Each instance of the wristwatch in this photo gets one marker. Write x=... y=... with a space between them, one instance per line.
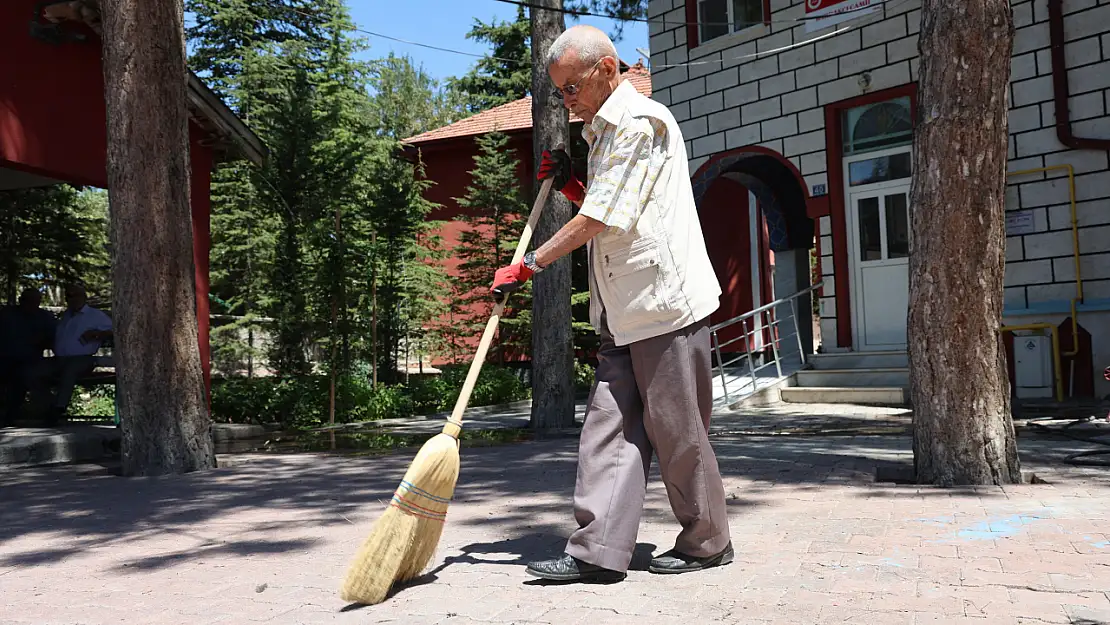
x=529 y=261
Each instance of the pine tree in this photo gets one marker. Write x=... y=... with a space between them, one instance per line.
x=495 y=215
x=288 y=70
x=552 y=341
x=225 y=34
x=52 y=235
x=621 y=11
x=503 y=75
x=963 y=431
x=411 y=287
x=161 y=396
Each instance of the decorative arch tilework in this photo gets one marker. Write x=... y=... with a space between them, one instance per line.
x=772 y=212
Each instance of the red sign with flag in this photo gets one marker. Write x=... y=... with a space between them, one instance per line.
x=824 y=13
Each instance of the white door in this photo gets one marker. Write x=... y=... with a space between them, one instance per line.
x=879 y=240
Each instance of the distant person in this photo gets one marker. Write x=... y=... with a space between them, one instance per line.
x=26 y=331
x=80 y=333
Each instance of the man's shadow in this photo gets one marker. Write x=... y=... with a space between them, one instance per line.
x=516 y=552
x=529 y=548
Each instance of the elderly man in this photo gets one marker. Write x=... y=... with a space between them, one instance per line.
x=652 y=289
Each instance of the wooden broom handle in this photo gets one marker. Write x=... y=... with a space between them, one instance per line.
x=454 y=424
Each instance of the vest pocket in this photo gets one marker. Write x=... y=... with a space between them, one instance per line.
x=634 y=277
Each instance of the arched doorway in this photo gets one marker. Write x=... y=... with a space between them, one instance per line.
x=752 y=205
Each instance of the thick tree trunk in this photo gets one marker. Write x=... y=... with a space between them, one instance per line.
x=552 y=337
x=163 y=410
x=963 y=431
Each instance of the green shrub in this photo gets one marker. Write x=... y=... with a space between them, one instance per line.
x=302 y=403
x=95 y=401
x=583 y=376
x=387 y=402
x=495 y=385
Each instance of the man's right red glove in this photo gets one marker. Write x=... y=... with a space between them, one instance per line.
x=556 y=164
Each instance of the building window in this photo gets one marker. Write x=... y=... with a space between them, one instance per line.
x=717 y=18
x=880 y=169
x=877 y=126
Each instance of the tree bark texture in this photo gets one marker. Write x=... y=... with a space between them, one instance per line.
x=161 y=394
x=552 y=336
x=963 y=431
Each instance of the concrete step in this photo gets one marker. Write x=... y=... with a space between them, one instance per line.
x=865 y=396
x=852 y=378
x=859 y=360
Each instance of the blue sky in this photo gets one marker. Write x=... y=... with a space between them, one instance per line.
x=444 y=23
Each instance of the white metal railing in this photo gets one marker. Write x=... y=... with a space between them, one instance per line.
x=754 y=323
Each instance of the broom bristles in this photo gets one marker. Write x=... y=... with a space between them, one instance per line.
x=405 y=537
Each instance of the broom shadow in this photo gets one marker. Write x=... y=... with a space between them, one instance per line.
x=522 y=549
x=426 y=578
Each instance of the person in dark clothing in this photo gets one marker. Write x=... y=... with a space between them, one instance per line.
x=26 y=330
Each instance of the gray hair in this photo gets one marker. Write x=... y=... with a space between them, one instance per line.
x=590 y=44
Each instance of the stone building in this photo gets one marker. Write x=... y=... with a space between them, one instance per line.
x=799 y=119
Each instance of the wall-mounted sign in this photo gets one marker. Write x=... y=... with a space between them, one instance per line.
x=1019 y=223
x=818 y=189
x=831 y=12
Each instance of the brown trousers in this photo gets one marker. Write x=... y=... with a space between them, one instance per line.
x=650 y=396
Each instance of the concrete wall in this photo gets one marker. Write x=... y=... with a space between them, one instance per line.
x=725 y=99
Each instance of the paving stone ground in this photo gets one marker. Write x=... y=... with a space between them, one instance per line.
x=267 y=539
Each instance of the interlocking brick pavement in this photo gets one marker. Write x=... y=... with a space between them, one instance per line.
x=267 y=539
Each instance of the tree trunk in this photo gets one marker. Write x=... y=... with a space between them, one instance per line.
x=162 y=404
x=963 y=431
x=552 y=338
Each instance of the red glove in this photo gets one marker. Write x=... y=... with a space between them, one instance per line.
x=509 y=279
x=557 y=165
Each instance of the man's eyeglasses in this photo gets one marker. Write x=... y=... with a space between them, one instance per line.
x=559 y=92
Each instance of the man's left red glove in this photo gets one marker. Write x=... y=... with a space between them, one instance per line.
x=509 y=279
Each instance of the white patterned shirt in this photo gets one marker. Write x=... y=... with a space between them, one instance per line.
x=625 y=159
x=650 y=272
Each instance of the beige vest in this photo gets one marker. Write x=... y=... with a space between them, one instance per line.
x=657 y=277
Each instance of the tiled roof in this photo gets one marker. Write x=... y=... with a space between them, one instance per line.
x=516 y=115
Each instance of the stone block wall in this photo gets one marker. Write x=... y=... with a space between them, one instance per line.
x=726 y=95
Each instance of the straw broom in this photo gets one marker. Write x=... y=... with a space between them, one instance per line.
x=404 y=538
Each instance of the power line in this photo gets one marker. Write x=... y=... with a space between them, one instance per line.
x=417 y=43
x=665 y=22
x=893 y=4
x=424 y=45
x=756 y=55
x=664 y=65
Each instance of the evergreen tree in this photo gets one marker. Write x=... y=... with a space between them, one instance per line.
x=494 y=219
x=94 y=263
x=288 y=70
x=620 y=10
x=225 y=34
x=52 y=235
x=410 y=286
x=503 y=75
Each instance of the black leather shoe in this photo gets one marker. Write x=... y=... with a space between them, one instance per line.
x=571 y=569
x=677 y=562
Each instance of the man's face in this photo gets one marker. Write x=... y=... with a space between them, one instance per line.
x=75 y=298
x=30 y=300
x=590 y=82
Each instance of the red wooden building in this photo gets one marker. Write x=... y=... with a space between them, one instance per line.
x=53 y=126
x=735 y=232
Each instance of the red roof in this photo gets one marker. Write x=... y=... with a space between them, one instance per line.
x=516 y=115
